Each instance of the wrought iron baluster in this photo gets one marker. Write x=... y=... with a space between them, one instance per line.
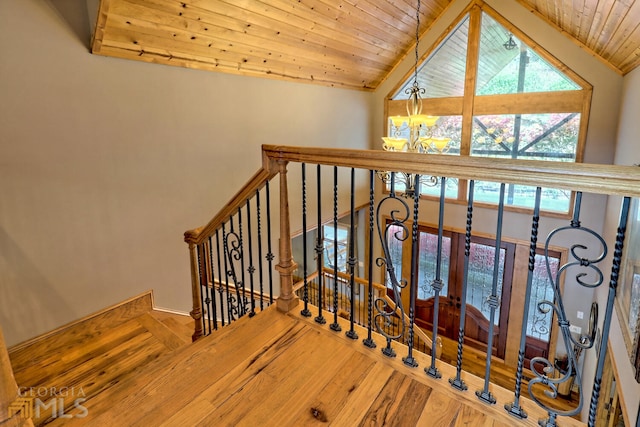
x=305 y=311
x=458 y=382
x=260 y=265
x=485 y=395
x=211 y=291
x=613 y=286
x=335 y=326
x=230 y=299
x=351 y=333
x=583 y=263
x=385 y=314
x=320 y=249
x=233 y=249
x=242 y=302
x=220 y=288
x=514 y=408
x=252 y=269
x=413 y=286
x=270 y=257
x=437 y=284
x=369 y=340
x=203 y=285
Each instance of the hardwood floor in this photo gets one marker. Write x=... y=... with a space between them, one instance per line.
x=83 y=359
x=272 y=369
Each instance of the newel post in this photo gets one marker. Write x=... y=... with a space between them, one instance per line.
x=196 y=312
x=287 y=299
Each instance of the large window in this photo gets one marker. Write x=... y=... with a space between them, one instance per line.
x=497 y=96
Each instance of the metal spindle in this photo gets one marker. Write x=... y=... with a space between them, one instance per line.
x=305 y=311
x=484 y=394
x=243 y=301
x=252 y=268
x=260 y=266
x=233 y=252
x=432 y=370
x=226 y=276
x=514 y=408
x=351 y=333
x=270 y=257
x=613 y=286
x=203 y=285
x=211 y=291
x=369 y=340
x=458 y=382
x=415 y=250
x=335 y=326
x=319 y=249
x=220 y=288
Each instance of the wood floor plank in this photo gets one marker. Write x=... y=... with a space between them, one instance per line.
x=321 y=406
x=440 y=410
x=161 y=331
x=260 y=396
x=357 y=404
x=161 y=389
x=78 y=331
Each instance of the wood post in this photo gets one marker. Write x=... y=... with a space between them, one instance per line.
x=196 y=312
x=287 y=299
x=9 y=417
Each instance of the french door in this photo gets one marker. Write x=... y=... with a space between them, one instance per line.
x=482 y=257
x=479 y=286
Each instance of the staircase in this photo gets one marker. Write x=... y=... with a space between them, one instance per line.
x=62 y=372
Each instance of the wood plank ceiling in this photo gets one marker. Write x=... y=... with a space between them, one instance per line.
x=343 y=43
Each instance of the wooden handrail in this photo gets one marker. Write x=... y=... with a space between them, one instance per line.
x=359 y=280
x=594 y=178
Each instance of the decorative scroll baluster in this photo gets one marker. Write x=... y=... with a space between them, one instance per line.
x=432 y=370
x=369 y=340
x=458 y=382
x=220 y=288
x=351 y=333
x=613 y=286
x=514 y=408
x=233 y=250
x=260 y=265
x=413 y=286
x=230 y=299
x=211 y=291
x=320 y=250
x=583 y=265
x=252 y=269
x=270 y=257
x=385 y=314
x=305 y=311
x=485 y=395
x=335 y=326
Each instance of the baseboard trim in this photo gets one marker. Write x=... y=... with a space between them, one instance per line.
x=129 y=308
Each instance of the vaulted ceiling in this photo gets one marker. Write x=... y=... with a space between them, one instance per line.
x=344 y=43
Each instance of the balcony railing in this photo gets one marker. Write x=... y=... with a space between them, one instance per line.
x=232 y=259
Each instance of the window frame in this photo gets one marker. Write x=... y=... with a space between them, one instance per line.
x=471 y=105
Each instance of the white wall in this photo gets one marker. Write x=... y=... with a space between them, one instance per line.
x=627 y=153
x=104 y=163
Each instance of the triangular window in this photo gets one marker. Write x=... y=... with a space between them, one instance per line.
x=495 y=93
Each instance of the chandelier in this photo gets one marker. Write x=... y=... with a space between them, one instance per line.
x=413 y=133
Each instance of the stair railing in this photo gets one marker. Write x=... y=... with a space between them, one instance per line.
x=400 y=221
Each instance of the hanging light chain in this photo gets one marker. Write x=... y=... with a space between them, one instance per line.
x=415 y=68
